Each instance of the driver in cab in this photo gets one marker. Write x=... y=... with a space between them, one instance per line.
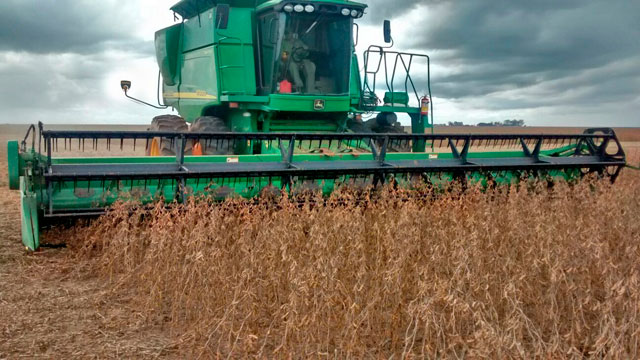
x=294 y=57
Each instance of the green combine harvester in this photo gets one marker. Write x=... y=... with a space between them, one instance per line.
x=271 y=96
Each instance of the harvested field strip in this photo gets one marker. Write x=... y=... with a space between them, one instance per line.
x=519 y=273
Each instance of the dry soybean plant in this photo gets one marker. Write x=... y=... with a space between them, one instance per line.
x=509 y=273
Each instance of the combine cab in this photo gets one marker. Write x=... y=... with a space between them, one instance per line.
x=270 y=96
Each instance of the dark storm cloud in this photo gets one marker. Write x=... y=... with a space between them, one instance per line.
x=388 y=9
x=564 y=37
x=494 y=54
x=382 y=9
x=524 y=54
x=50 y=81
x=520 y=43
x=62 y=26
x=56 y=57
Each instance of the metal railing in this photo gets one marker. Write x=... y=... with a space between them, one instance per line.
x=401 y=61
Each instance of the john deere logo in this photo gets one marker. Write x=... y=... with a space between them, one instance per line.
x=318 y=104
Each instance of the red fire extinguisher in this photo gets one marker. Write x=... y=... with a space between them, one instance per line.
x=424 y=105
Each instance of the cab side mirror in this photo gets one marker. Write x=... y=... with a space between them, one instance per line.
x=387 y=31
x=125 y=85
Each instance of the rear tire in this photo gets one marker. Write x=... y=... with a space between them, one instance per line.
x=384 y=123
x=169 y=123
x=359 y=127
x=209 y=124
x=212 y=124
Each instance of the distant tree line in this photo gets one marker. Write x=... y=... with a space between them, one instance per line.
x=514 y=123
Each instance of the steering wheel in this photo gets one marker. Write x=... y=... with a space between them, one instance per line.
x=298 y=54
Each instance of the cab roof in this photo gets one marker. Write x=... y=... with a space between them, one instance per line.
x=190 y=8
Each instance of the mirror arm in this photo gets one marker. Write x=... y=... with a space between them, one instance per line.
x=126 y=85
x=145 y=103
x=164 y=106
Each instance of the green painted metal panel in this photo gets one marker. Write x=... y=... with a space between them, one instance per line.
x=13 y=160
x=396 y=97
x=191 y=109
x=199 y=31
x=29 y=216
x=355 y=81
x=242 y=121
x=303 y=125
x=398 y=109
x=245 y=99
x=198 y=88
x=199 y=75
x=81 y=195
x=167 y=43
x=272 y=158
x=78 y=196
x=191 y=8
x=418 y=127
x=235 y=54
x=281 y=102
x=212 y=62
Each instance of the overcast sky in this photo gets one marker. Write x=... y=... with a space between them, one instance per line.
x=549 y=62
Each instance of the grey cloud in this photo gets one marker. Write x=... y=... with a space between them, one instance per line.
x=50 y=81
x=616 y=84
x=497 y=55
x=63 y=26
x=505 y=54
x=519 y=42
x=584 y=33
x=57 y=55
x=382 y=9
x=64 y=88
